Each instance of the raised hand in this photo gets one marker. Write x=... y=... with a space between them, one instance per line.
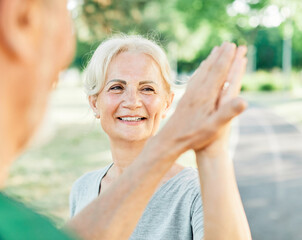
x=229 y=96
x=205 y=108
x=222 y=205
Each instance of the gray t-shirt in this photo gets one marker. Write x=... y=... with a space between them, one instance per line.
x=173 y=213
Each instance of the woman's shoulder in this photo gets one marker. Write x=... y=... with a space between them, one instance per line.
x=180 y=193
x=186 y=181
x=90 y=177
x=188 y=175
x=85 y=189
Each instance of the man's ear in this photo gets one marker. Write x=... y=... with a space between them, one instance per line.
x=93 y=104
x=20 y=28
x=169 y=101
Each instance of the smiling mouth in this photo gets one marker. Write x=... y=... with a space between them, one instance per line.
x=132 y=119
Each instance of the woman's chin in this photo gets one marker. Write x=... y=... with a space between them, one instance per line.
x=132 y=137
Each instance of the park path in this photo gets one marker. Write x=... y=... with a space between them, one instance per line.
x=268 y=164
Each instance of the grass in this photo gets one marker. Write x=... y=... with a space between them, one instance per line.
x=271 y=81
x=281 y=94
x=43 y=176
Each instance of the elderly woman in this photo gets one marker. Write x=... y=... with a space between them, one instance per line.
x=128 y=86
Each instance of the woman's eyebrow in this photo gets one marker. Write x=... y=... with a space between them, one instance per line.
x=125 y=83
x=147 y=82
x=117 y=80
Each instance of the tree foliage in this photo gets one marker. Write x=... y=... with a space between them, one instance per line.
x=195 y=26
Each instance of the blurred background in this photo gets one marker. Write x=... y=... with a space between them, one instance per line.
x=266 y=141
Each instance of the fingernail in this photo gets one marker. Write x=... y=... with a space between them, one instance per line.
x=242 y=49
x=229 y=46
x=233 y=46
x=215 y=49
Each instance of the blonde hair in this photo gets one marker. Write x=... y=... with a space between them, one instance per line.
x=96 y=69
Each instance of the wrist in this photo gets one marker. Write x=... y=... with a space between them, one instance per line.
x=210 y=159
x=170 y=141
x=213 y=151
x=166 y=146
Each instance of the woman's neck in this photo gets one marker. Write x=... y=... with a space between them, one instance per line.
x=123 y=154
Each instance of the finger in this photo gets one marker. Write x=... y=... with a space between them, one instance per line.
x=220 y=67
x=237 y=69
x=226 y=112
x=212 y=56
x=233 y=84
x=236 y=78
x=202 y=71
x=214 y=51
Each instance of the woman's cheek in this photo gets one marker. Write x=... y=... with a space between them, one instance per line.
x=109 y=103
x=155 y=106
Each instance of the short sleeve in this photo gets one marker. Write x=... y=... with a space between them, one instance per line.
x=18 y=221
x=197 y=218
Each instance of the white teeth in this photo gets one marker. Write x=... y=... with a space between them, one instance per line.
x=131 y=119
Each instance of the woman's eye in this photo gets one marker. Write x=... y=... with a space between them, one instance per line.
x=116 y=88
x=148 y=89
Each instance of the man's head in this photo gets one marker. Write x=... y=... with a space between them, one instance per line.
x=36 y=42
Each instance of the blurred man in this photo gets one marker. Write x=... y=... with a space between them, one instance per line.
x=36 y=42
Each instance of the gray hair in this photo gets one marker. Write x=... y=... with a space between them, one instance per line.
x=96 y=70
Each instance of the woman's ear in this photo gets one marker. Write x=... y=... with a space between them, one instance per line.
x=169 y=101
x=93 y=104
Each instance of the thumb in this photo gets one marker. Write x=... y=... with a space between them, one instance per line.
x=229 y=110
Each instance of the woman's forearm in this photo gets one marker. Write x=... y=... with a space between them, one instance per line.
x=224 y=216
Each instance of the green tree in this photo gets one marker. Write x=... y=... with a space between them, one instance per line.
x=188 y=30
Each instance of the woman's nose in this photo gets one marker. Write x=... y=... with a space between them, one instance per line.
x=131 y=99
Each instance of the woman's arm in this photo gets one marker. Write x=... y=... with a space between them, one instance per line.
x=194 y=124
x=224 y=216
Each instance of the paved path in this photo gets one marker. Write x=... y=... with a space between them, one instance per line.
x=268 y=163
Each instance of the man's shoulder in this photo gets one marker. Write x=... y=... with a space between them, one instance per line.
x=18 y=221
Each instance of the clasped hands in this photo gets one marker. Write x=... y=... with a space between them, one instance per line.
x=211 y=99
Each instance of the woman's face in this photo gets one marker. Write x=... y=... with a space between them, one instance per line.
x=134 y=98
